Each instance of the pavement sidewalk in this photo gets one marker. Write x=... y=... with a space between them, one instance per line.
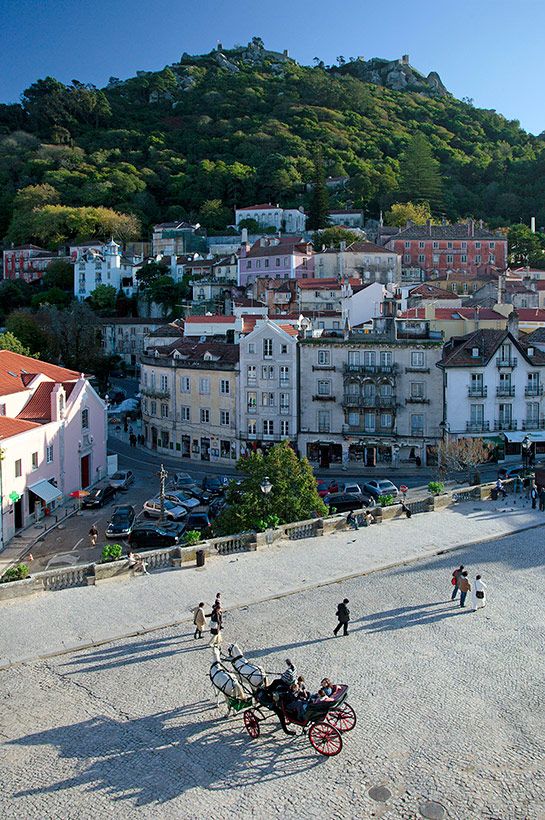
x=56 y=622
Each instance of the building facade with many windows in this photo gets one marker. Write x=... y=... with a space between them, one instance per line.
x=268 y=397
x=370 y=398
x=493 y=388
x=189 y=400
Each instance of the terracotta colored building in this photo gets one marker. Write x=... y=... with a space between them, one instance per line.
x=437 y=249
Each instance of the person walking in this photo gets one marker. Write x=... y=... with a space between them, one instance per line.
x=199 y=619
x=479 y=593
x=464 y=586
x=455 y=580
x=216 y=625
x=542 y=499
x=534 y=494
x=343 y=616
x=93 y=535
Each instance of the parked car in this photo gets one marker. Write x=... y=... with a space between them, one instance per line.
x=183 y=480
x=122 y=479
x=217 y=505
x=215 y=485
x=99 y=496
x=352 y=488
x=322 y=487
x=179 y=497
x=173 y=512
x=512 y=472
x=122 y=522
x=343 y=502
x=380 y=486
x=198 y=521
x=149 y=536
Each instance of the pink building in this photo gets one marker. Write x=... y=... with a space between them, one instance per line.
x=28 y=262
x=52 y=438
x=275 y=257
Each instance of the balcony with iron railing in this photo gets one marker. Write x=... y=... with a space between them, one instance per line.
x=320 y=397
x=417 y=400
x=533 y=424
x=155 y=393
x=533 y=390
x=505 y=391
x=370 y=369
x=506 y=361
x=477 y=392
x=505 y=424
x=368 y=401
x=477 y=426
x=361 y=430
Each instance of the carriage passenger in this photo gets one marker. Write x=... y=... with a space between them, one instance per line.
x=287 y=678
x=294 y=705
x=328 y=687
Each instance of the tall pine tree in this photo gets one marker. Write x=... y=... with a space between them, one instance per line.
x=419 y=173
x=318 y=212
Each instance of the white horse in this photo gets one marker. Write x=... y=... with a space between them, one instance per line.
x=224 y=682
x=247 y=672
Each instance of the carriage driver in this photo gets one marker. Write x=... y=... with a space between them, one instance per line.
x=287 y=678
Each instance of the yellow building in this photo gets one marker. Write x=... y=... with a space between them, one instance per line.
x=451 y=321
x=188 y=393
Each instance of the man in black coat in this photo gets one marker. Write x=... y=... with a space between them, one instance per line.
x=343 y=616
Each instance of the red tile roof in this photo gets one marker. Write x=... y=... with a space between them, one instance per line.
x=531 y=314
x=317 y=284
x=215 y=319
x=452 y=313
x=16 y=372
x=263 y=207
x=38 y=407
x=12 y=427
x=427 y=291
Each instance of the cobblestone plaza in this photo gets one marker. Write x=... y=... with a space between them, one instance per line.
x=449 y=705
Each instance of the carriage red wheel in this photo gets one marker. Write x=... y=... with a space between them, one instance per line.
x=343 y=718
x=326 y=739
x=252 y=724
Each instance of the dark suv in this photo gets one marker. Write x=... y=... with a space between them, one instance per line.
x=98 y=497
x=148 y=536
x=198 y=521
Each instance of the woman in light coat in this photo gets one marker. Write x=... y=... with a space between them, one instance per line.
x=478 y=593
x=199 y=619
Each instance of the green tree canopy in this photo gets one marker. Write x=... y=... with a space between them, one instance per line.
x=59 y=274
x=53 y=296
x=318 y=212
x=525 y=247
x=24 y=326
x=293 y=497
x=103 y=300
x=150 y=271
x=419 y=173
x=333 y=236
x=402 y=212
x=10 y=342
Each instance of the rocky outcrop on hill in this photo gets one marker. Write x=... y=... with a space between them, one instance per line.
x=397 y=75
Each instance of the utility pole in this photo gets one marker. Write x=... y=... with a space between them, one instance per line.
x=162 y=481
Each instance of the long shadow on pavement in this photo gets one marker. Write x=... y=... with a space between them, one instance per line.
x=156 y=758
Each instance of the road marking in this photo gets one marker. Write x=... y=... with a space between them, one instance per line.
x=77 y=544
x=63 y=558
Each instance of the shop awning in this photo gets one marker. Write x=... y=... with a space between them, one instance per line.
x=46 y=491
x=518 y=437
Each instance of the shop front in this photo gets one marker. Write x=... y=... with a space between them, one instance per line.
x=324 y=453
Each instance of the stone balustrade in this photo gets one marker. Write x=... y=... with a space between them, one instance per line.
x=175 y=557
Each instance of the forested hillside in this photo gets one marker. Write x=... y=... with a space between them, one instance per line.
x=239 y=127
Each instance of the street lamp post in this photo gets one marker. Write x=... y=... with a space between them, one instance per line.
x=526 y=445
x=162 y=482
x=266 y=486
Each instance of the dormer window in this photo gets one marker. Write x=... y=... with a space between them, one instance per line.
x=474 y=352
x=530 y=351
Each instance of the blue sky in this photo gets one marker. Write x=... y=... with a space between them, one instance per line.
x=490 y=50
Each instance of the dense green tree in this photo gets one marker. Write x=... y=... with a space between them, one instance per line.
x=293 y=497
x=150 y=271
x=25 y=327
x=419 y=173
x=10 y=342
x=14 y=293
x=333 y=236
x=251 y=225
x=318 y=212
x=53 y=296
x=73 y=335
x=166 y=292
x=59 y=274
x=214 y=216
x=525 y=247
x=402 y=212
x=103 y=300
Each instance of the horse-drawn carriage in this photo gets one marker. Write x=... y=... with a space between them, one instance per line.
x=246 y=690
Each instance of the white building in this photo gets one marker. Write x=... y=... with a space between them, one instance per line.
x=493 y=387
x=347 y=217
x=52 y=439
x=268 y=396
x=288 y=220
x=371 y=262
x=106 y=266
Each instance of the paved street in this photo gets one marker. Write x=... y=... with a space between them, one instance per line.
x=450 y=708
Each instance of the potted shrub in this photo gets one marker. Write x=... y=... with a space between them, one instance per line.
x=192 y=537
x=436 y=487
x=111 y=552
x=385 y=500
x=15 y=574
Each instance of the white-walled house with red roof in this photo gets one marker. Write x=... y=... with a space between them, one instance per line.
x=289 y=220
x=52 y=438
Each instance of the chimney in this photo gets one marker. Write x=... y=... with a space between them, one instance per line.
x=428 y=225
x=244 y=236
x=513 y=323
x=501 y=288
x=480 y=224
x=533 y=224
